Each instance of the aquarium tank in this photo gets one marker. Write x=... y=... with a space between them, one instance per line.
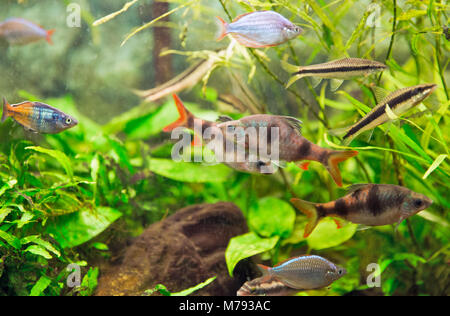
x=224 y=148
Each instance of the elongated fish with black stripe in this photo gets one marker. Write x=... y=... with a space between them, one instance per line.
x=265 y=286
x=399 y=102
x=367 y=204
x=305 y=272
x=38 y=117
x=342 y=69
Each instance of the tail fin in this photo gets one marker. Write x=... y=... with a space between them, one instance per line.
x=49 y=36
x=310 y=210
x=334 y=158
x=291 y=69
x=185 y=116
x=5 y=110
x=223 y=29
x=264 y=269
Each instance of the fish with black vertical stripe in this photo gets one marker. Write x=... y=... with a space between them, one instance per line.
x=367 y=204
x=399 y=102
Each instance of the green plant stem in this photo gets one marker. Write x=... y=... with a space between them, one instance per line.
x=391 y=43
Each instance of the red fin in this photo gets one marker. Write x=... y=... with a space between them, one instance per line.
x=184 y=115
x=223 y=29
x=334 y=159
x=338 y=223
x=264 y=269
x=304 y=165
x=310 y=210
x=49 y=36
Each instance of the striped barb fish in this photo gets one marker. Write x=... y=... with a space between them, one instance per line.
x=367 y=204
x=265 y=286
x=38 y=117
x=260 y=29
x=305 y=272
x=399 y=102
x=339 y=70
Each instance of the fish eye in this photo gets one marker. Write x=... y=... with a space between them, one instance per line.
x=68 y=121
x=260 y=163
x=418 y=203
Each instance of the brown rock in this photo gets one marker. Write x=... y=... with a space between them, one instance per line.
x=181 y=251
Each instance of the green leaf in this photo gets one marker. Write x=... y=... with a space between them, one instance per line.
x=90 y=282
x=272 y=217
x=327 y=235
x=38 y=241
x=195 y=288
x=7 y=186
x=189 y=172
x=77 y=228
x=58 y=155
x=434 y=165
x=245 y=246
x=10 y=239
x=40 y=286
x=39 y=251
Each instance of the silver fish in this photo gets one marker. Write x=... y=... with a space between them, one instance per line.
x=260 y=29
x=399 y=102
x=342 y=69
x=17 y=31
x=305 y=272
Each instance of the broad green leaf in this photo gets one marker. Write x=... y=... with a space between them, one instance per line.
x=39 y=251
x=58 y=155
x=195 y=288
x=4 y=211
x=77 y=228
x=245 y=246
x=38 y=241
x=189 y=172
x=10 y=239
x=272 y=217
x=40 y=286
x=327 y=235
x=7 y=186
x=90 y=282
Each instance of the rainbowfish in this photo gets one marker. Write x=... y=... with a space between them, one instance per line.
x=260 y=29
x=292 y=145
x=305 y=272
x=38 y=117
x=19 y=31
x=265 y=286
x=339 y=70
x=399 y=102
x=367 y=204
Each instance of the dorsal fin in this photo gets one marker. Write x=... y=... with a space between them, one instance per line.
x=296 y=124
x=224 y=118
x=244 y=14
x=354 y=187
x=292 y=258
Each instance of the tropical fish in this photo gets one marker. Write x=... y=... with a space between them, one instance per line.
x=399 y=102
x=338 y=70
x=38 y=117
x=292 y=145
x=260 y=29
x=17 y=31
x=265 y=286
x=367 y=204
x=305 y=272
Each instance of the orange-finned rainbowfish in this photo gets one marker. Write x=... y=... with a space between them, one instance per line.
x=18 y=31
x=367 y=204
x=260 y=29
x=38 y=117
x=305 y=272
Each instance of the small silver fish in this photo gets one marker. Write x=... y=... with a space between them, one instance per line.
x=305 y=272
x=399 y=102
x=342 y=69
x=260 y=29
x=17 y=31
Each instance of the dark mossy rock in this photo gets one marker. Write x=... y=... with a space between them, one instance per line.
x=179 y=252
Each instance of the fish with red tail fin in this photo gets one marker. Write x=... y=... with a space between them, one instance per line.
x=305 y=272
x=292 y=146
x=367 y=204
x=18 y=31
